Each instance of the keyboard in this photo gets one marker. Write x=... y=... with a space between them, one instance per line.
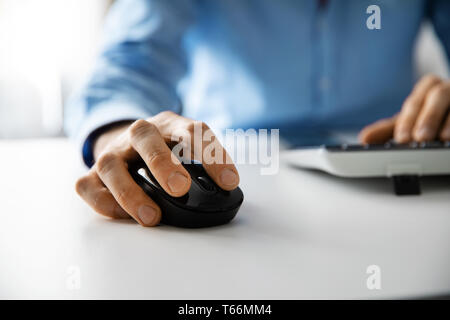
x=383 y=160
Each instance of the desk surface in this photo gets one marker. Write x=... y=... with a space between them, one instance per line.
x=299 y=234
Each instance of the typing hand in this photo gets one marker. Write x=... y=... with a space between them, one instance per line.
x=424 y=116
x=111 y=191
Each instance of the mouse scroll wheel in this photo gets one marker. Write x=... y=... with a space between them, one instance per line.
x=206 y=184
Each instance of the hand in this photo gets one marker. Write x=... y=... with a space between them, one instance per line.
x=424 y=116
x=111 y=191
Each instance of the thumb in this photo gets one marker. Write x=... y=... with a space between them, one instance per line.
x=378 y=132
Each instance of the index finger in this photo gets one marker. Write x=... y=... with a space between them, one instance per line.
x=165 y=167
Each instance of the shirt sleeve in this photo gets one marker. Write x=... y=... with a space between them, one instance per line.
x=439 y=14
x=136 y=75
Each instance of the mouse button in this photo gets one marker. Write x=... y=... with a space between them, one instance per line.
x=183 y=199
x=236 y=196
x=195 y=170
x=148 y=176
x=207 y=184
x=230 y=199
x=195 y=195
x=200 y=200
x=219 y=200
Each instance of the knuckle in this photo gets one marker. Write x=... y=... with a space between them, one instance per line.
x=190 y=127
x=141 y=128
x=196 y=125
x=156 y=156
x=410 y=103
x=431 y=78
x=102 y=200
x=410 y=109
x=437 y=92
x=125 y=195
x=82 y=185
x=105 y=162
x=204 y=126
x=168 y=114
x=402 y=126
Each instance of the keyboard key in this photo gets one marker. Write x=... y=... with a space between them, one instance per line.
x=392 y=146
x=431 y=144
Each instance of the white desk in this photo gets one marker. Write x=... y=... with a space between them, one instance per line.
x=298 y=235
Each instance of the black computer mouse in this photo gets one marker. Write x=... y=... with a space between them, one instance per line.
x=205 y=204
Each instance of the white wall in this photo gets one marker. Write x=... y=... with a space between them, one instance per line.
x=45 y=45
x=429 y=55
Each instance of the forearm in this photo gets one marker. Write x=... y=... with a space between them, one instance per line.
x=130 y=80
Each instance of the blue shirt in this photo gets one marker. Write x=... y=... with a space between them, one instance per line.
x=284 y=64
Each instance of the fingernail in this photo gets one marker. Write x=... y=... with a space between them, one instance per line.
x=147 y=215
x=403 y=136
x=177 y=182
x=424 y=134
x=228 y=177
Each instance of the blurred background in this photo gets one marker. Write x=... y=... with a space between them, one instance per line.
x=48 y=46
x=46 y=49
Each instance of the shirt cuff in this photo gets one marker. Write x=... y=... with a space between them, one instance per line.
x=99 y=119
